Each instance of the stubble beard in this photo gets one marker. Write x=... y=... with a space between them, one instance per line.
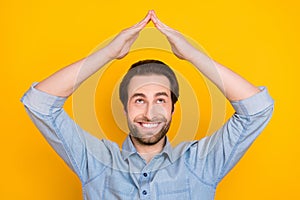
x=148 y=141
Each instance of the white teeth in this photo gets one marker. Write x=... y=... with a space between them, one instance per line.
x=152 y=125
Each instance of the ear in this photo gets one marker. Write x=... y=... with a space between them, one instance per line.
x=173 y=109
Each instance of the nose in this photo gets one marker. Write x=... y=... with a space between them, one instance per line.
x=149 y=111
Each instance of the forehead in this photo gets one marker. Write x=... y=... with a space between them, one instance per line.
x=143 y=81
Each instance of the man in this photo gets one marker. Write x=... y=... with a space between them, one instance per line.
x=148 y=167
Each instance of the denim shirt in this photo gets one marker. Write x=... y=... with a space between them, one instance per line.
x=191 y=170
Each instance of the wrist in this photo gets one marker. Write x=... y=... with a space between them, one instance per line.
x=193 y=55
x=107 y=54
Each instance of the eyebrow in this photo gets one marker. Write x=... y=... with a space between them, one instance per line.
x=161 y=94
x=138 y=95
x=144 y=96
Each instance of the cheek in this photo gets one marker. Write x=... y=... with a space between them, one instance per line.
x=133 y=111
x=163 y=110
x=160 y=110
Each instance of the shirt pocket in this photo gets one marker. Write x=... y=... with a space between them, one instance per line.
x=119 y=189
x=177 y=189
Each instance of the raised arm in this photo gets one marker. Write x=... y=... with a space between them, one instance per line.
x=65 y=81
x=233 y=86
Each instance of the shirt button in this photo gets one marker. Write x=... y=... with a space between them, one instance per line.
x=144 y=192
x=145 y=174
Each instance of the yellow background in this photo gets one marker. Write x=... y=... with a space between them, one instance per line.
x=258 y=39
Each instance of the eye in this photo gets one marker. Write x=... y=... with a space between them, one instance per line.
x=160 y=101
x=139 y=101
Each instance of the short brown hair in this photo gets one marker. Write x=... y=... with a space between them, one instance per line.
x=149 y=67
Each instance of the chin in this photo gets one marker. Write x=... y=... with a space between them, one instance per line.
x=148 y=137
x=150 y=140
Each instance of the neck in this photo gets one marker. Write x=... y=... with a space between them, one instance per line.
x=148 y=151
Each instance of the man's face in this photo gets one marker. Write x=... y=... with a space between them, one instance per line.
x=149 y=108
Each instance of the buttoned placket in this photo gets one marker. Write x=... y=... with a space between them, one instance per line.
x=141 y=173
x=145 y=185
x=144 y=180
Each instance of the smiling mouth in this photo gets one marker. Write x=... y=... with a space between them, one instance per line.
x=149 y=125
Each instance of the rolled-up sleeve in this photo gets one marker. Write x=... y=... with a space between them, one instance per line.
x=253 y=104
x=71 y=142
x=218 y=153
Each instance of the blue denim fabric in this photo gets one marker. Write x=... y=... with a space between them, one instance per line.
x=191 y=170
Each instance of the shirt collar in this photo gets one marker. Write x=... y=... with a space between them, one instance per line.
x=128 y=149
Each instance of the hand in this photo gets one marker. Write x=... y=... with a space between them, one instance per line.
x=180 y=46
x=120 y=45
